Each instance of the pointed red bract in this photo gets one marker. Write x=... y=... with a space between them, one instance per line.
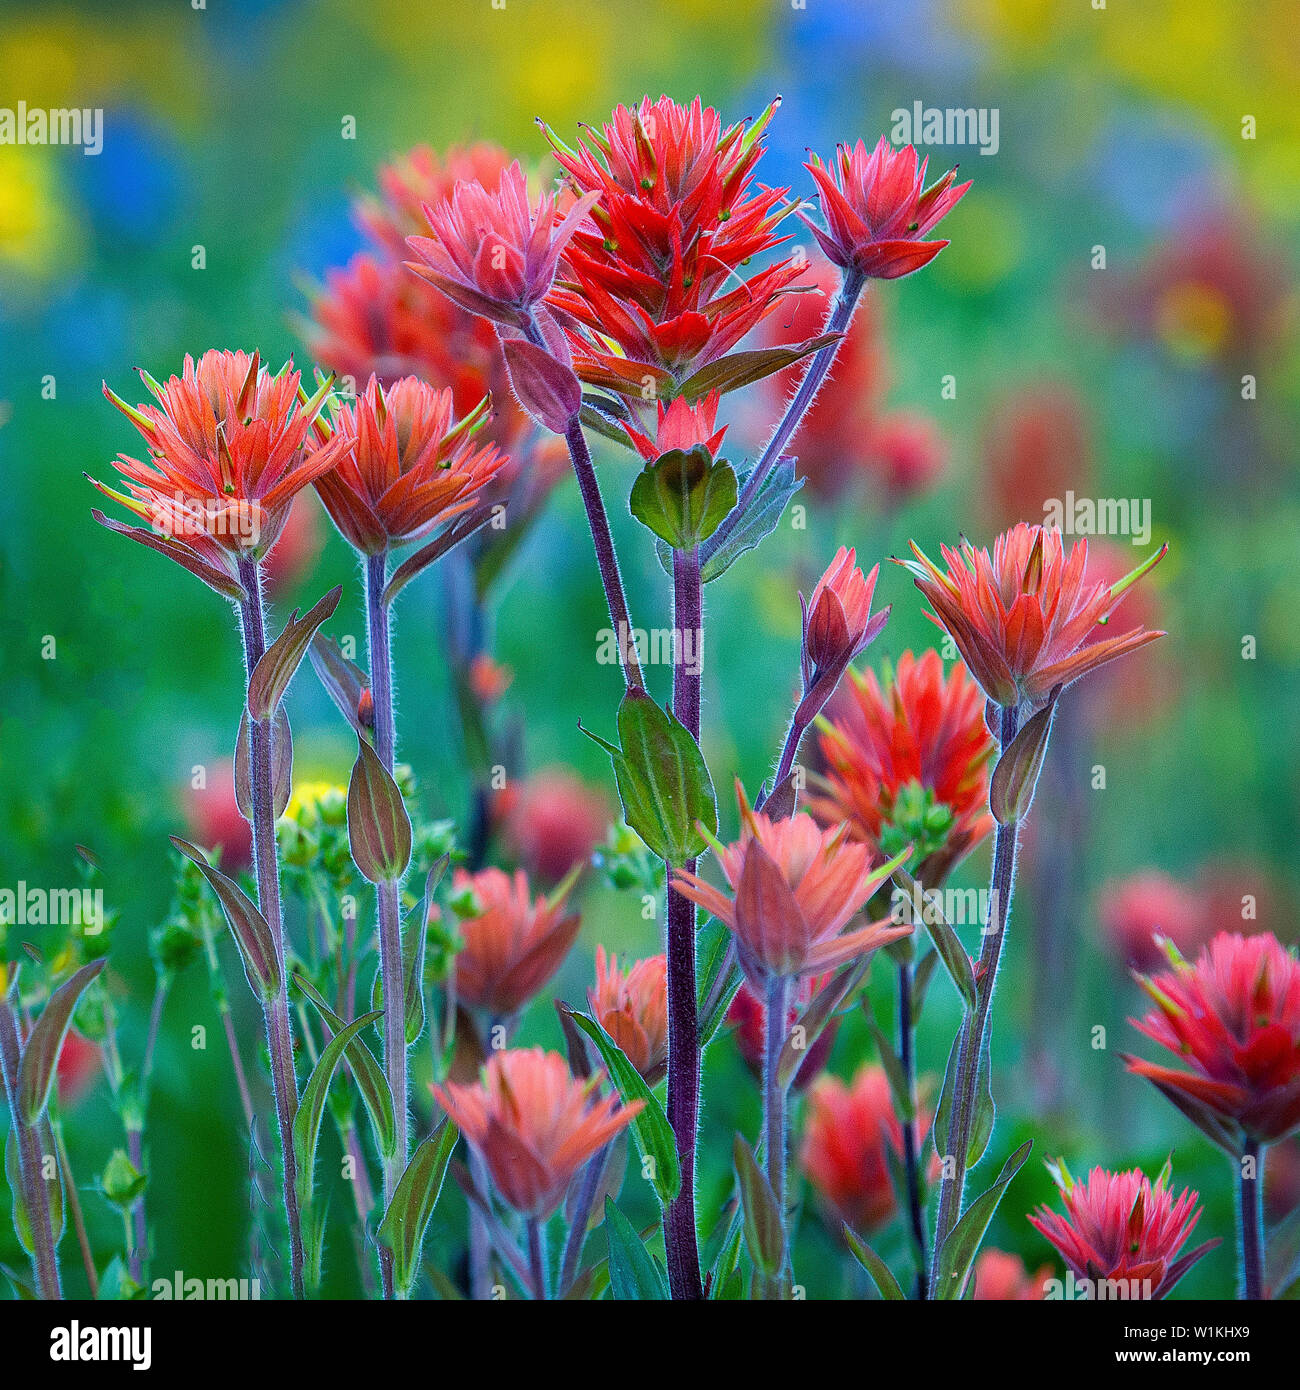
x=631 y=1005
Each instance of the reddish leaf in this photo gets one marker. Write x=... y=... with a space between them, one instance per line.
x=272 y=674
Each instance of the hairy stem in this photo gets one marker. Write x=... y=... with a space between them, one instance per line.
x=777 y=1006
x=279 y=1033
x=911 y=1143
x=36 y=1195
x=390 y=915
x=974 y=1030
x=680 y=1236
x=1251 y=1210
x=841 y=315
x=591 y=1176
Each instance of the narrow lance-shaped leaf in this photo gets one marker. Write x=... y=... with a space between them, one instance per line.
x=306 y=1122
x=447 y=539
x=218 y=580
x=369 y=1075
x=414 y=1199
x=650 y=1128
x=21 y=1216
x=985 y=1111
x=251 y=933
x=816 y=1017
x=379 y=829
x=40 y=1058
x=963 y=1243
x=271 y=676
x=739 y=369
x=1011 y=788
x=634 y=1273
x=757 y=521
x=413 y=948
x=764 y=1232
x=875 y=1266
x=344 y=681
x=946 y=941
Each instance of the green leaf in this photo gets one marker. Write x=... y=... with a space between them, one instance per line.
x=764 y=1229
x=13 y=1172
x=367 y=1072
x=963 y=1243
x=759 y=519
x=663 y=780
x=904 y=1103
x=379 y=829
x=461 y=528
x=404 y=1224
x=985 y=1110
x=414 y=942
x=634 y=1273
x=946 y=941
x=252 y=935
x=875 y=1266
x=718 y=976
x=281 y=765
x=275 y=669
x=650 y=1129
x=739 y=369
x=683 y=495
x=40 y=1058
x=1011 y=788
x=344 y=681
x=306 y=1123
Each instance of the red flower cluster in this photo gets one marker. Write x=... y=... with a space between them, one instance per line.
x=908 y=763
x=654 y=287
x=1234 y=1018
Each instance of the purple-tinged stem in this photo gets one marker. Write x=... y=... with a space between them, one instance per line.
x=1251 y=1208
x=776 y=1010
x=279 y=1032
x=841 y=315
x=591 y=1177
x=537 y=1259
x=911 y=1145
x=379 y=637
x=975 y=1028
x=681 y=1239
x=36 y=1196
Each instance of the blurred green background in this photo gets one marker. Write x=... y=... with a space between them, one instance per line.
x=1120 y=128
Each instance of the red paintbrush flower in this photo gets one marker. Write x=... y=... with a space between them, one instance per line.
x=793 y=889
x=1025 y=618
x=511 y=944
x=490 y=253
x=1136 y=911
x=1122 y=1227
x=553 y=821
x=907 y=762
x=227 y=455
x=1003 y=1278
x=405 y=464
x=533 y=1125
x=878 y=210
x=632 y=1007
x=653 y=288
x=680 y=426
x=1234 y=1018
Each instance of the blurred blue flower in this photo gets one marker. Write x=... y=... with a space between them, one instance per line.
x=134 y=185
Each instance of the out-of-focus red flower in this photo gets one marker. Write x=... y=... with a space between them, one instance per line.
x=632 y=1007
x=492 y=254
x=79 y=1065
x=1234 y=1019
x=1137 y=909
x=680 y=426
x=214 y=818
x=1240 y=895
x=1024 y=618
x=512 y=944
x=905 y=453
x=1004 y=1278
x=488 y=679
x=850 y=1133
x=554 y=821
x=1282 y=1180
x=793 y=889
x=1036 y=449
x=1121 y=1226
x=1214 y=291
x=227 y=455
x=533 y=1125
x=298 y=548
x=907 y=762
x=838 y=623
x=655 y=286
x=878 y=210
x=405 y=464
x=748 y=1017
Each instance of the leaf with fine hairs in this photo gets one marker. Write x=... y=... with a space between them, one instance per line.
x=218 y=580
x=985 y=1111
x=275 y=669
x=460 y=529
x=344 y=681
x=414 y=1199
x=963 y=1243
x=40 y=1058
x=252 y=935
x=817 y=1017
x=379 y=829
x=764 y=1230
x=946 y=941
x=1011 y=787
x=281 y=765
x=413 y=947
x=634 y=1273
x=739 y=369
x=875 y=1266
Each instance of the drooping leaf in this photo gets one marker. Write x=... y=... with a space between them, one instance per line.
x=221 y=581
x=271 y=676
x=634 y=1273
x=963 y=1243
x=311 y=1109
x=344 y=681
x=251 y=933
x=414 y=1199
x=40 y=1057
x=875 y=1266
x=369 y=1075
x=379 y=829
x=650 y=1128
